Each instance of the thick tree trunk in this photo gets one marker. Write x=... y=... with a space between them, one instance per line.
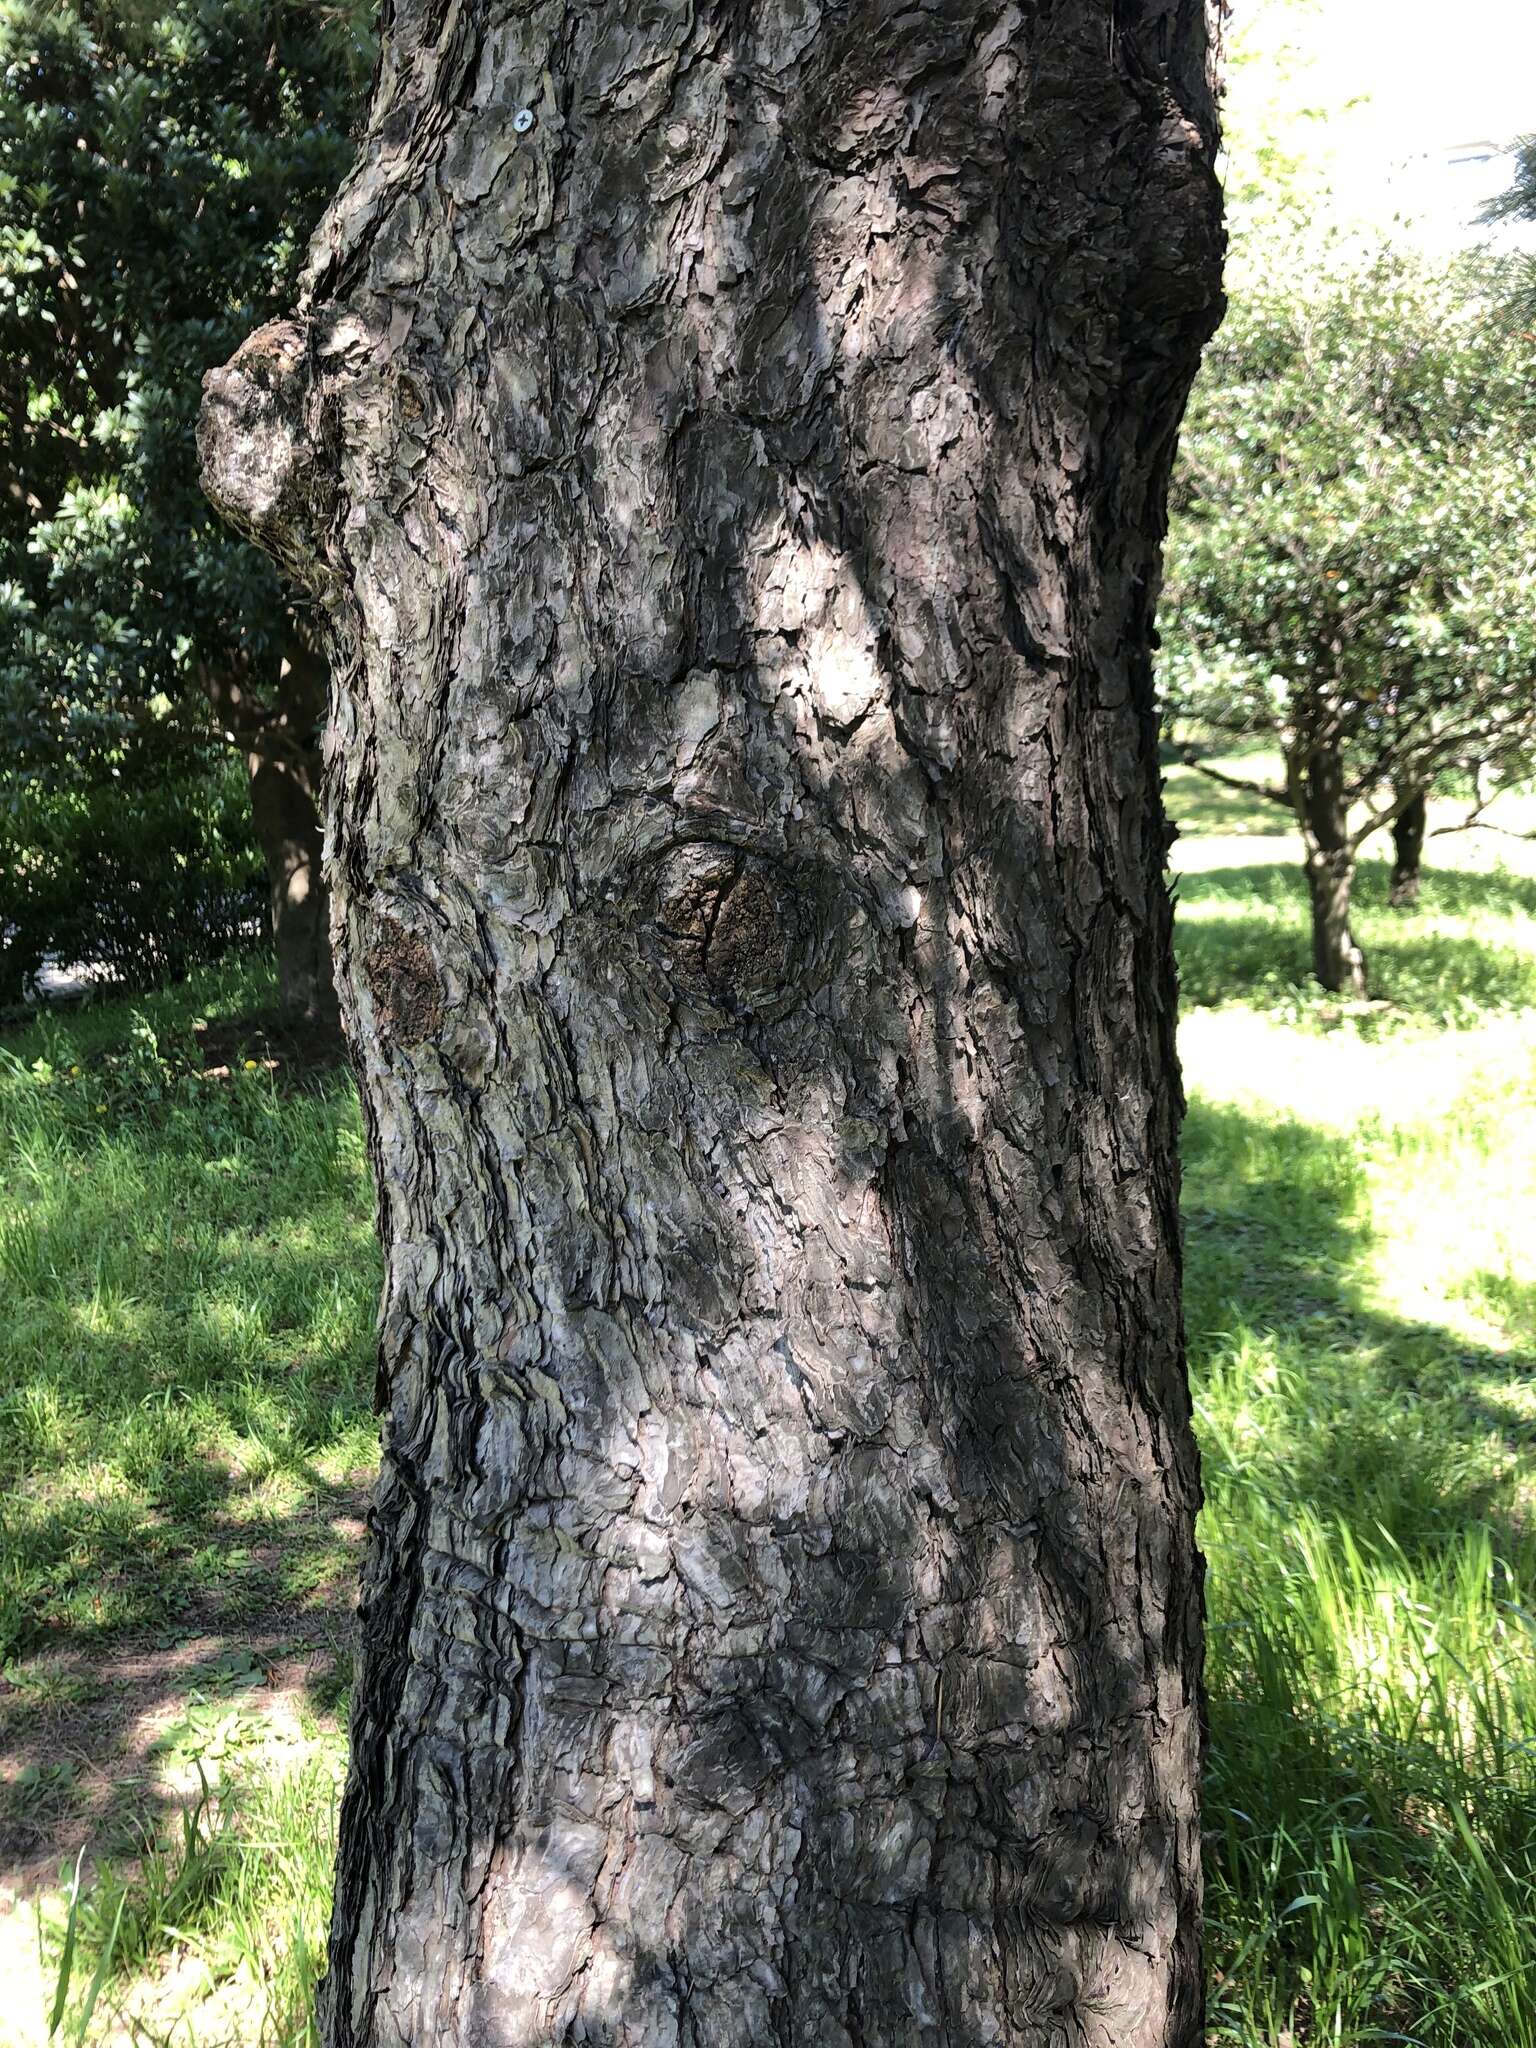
x=731 y=445
x=1408 y=832
x=1323 y=812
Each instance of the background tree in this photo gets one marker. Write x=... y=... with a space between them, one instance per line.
x=730 y=446
x=1516 y=205
x=1352 y=567
x=1409 y=829
x=160 y=168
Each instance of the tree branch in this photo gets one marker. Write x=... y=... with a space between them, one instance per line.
x=1264 y=789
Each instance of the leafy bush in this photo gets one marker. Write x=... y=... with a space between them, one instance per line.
x=143 y=876
x=160 y=169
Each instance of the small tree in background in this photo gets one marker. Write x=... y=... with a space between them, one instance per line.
x=160 y=170
x=1352 y=565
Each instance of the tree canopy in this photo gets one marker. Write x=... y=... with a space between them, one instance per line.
x=1519 y=202
x=1352 y=564
x=160 y=169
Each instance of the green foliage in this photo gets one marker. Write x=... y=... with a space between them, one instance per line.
x=160 y=169
x=1519 y=202
x=1352 y=560
x=159 y=173
x=141 y=873
x=1276 y=116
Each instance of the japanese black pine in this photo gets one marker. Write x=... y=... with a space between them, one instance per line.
x=729 y=448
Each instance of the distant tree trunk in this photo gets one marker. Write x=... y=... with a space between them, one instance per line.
x=1408 y=852
x=1322 y=809
x=276 y=722
x=731 y=445
x=286 y=769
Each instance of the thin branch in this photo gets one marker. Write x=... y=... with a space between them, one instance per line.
x=1387 y=815
x=1478 y=823
x=1275 y=796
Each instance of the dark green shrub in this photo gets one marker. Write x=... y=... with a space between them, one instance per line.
x=145 y=876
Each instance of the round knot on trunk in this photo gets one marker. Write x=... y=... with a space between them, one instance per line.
x=727 y=928
x=409 y=999
x=257 y=446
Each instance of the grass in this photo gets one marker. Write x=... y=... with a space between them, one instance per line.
x=186 y=1438
x=1373 y=1684
x=192 y=1282
x=185 y=1431
x=1360 y=1196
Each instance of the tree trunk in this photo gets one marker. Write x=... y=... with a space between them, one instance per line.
x=1408 y=852
x=1323 y=811
x=285 y=808
x=276 y=723
x=731 y=446
x=286 y=772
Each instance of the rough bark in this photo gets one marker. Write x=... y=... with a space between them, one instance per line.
x=737 y=491
x=1322 y=810
x=276 y=722
x=1408 y=831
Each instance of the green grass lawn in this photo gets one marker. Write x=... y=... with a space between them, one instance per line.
x=186 y=1436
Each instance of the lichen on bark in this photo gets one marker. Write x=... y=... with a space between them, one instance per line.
x=736 y=498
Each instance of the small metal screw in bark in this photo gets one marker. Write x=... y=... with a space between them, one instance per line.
x=522 y=120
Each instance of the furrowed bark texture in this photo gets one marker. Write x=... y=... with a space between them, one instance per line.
x=736 y=493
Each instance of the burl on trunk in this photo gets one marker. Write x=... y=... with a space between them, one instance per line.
x=729 y=444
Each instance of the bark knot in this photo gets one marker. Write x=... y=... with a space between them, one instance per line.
x=408 y=995
x=1176 y=297
x=257 y=448
x=726 y=927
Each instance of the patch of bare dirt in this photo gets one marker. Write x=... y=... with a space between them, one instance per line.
x=297 y=1055
x=82 y=1734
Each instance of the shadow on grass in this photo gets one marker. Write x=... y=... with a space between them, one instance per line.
x=103 y=1749
x=1369 y=1675
x=186 y=1427
x=164 y=1526
x=134 y=1597
x=1243 y=934
x=1387 y=1424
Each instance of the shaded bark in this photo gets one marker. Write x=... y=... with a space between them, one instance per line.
x=276 y=722
x=1408 y=830
x=731 y=448
x=1322 y=809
